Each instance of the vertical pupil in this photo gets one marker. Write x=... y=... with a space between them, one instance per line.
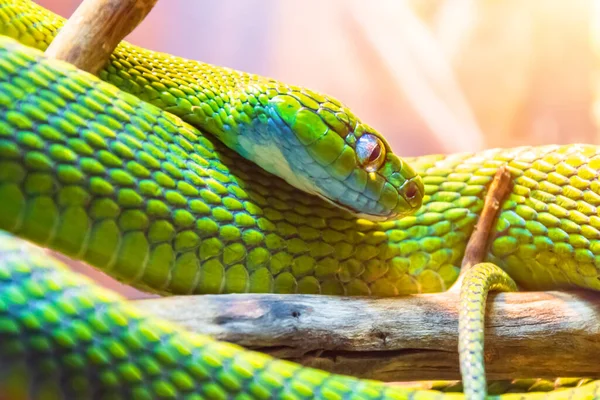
x=375 y=152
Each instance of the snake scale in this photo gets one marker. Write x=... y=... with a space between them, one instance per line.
x=124 y=182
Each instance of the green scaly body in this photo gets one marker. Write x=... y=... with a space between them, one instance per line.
x=153 y=202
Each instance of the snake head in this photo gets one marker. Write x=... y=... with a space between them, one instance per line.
x=332 y=154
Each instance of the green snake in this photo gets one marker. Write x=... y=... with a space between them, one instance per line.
x=127 y=182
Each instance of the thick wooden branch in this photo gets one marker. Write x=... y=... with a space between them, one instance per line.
x=94 y=30
x=535 y=334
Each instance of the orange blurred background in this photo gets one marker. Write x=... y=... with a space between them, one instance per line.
x=434 y=76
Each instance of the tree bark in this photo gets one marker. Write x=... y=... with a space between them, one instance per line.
x=533 y=334
x=95 y=29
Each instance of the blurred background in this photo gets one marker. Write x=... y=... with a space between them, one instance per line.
x=434 y=76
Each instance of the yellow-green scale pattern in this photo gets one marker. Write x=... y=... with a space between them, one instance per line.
x=241 y=108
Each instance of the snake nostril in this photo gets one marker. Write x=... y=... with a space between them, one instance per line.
x=411 y=190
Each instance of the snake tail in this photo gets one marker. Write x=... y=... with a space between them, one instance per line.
x=477 y=282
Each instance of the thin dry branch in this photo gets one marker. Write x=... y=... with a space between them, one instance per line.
x=477 y=246
x=535 y=334
x=94 y=30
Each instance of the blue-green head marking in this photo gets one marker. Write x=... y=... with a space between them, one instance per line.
x=317 y=145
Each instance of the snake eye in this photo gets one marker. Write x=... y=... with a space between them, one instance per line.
x=370 y=152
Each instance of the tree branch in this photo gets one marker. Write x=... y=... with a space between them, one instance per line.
x=478 y=244
x=95 y=29
x=534 y=334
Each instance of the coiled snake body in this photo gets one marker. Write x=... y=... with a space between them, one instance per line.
x=103 y=176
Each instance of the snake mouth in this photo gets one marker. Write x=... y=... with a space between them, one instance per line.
x=410 y=194
x=374 y=217
x=355 y=212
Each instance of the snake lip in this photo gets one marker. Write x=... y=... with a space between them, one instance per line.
x=362 y=215
x=412 y=191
